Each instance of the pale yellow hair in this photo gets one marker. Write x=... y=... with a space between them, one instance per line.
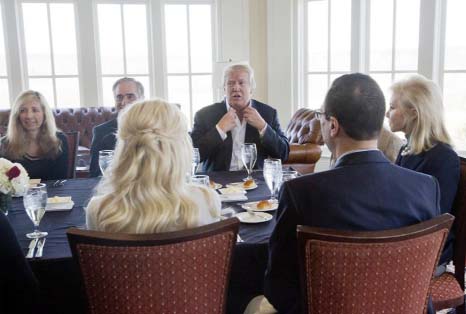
x=145 y=190
x=17 y=142
x=421 y=100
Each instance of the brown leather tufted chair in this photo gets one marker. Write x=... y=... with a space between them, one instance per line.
x=81 y=120
x=303 y=133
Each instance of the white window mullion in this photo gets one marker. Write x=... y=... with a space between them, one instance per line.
x=159 y=58
x=52 y=59
x=329 y=36
x=191 y=107
x=125 y=69
x=393 y=40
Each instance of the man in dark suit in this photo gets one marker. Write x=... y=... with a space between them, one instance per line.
x=364 y=191
x=126 y=91
x=221 y=128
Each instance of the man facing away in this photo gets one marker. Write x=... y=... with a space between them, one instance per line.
x=364 y=191
x=125 y=91
x=221 y=128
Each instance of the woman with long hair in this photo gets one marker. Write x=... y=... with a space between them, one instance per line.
x=145 y=188
x=33 y=140
x=416 y=109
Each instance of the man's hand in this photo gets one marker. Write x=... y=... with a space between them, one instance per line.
x=254 y=118
x=227 y=122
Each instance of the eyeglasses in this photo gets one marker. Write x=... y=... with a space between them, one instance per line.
x=319 y=114
x=130 y=96
x=240 y=83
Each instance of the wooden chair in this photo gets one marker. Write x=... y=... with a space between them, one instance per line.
x=370 y=272
x=73 y=142
x=448 y=289
x=175 y=272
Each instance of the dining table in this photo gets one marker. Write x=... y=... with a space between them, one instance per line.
x=57 y=273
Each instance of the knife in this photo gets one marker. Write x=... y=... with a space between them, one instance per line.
x=32 y=246
x=40 y=247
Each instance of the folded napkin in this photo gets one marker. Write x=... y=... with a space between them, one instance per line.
x=58 y=203
x=233 y=197
x=234 y=190
x=34 y=181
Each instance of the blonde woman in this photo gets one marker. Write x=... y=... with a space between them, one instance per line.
x=145 y=190
x=416 y=109
x=33 y=140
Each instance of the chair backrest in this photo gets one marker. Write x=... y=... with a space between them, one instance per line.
x=304 y=128
x=459 y=227
x=174 y=272
x=370 y=272
x=73 y=143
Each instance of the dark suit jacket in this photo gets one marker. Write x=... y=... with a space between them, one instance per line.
x=103 y=138
x=441 y=162
x=216 y=153
x=363 y=192
x=18 y=286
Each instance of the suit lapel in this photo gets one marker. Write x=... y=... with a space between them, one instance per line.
x=228 y=143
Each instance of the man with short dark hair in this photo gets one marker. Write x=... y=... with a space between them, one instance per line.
x=125 y=91
x=364 y=191
x=220 y=129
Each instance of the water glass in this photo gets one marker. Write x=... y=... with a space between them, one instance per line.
x=249 y=156
x=105 y=159
x=201 y=179
x=273 y=176
x=196 y=160
x=35 y=201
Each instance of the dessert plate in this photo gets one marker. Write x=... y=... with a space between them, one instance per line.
x=253 y=218
x=253 y=206
x=241 y=185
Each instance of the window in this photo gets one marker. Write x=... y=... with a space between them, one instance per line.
x=188 y=36
x=394 y=40
x=51 y=52
x=454 y=72
x=328 y=46
x=123 y=46
x=4 y=91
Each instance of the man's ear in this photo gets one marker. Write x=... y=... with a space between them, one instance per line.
x=334 y=127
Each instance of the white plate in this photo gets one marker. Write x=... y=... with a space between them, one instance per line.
x=240 y=185
x=255 y=218
x=55 y=207
x=253 y=206
x=215 y=186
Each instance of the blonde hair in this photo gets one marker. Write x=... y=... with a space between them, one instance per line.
x=145 y=190
x=422 y=101
x=18 y=143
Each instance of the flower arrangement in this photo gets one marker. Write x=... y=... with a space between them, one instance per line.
x=14 y=179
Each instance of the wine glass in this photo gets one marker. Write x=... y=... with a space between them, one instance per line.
x=248 y=156
x=196 y=160
x=105 y=159
x=273 y=176
x=35 y=201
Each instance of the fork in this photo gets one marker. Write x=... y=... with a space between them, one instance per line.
x=40 y=248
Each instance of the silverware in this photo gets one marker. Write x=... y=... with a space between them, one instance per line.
x=58 y=183
x=32 y=246
x=40 y=247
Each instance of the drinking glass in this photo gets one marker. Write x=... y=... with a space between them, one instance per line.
x=201 y=179
x=248 y=156
x=105 y=159
x=35 y=201
x=273 y=176
x=196 y=160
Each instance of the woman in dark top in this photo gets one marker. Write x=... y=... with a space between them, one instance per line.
x=416 y=109
x=18 y=286
x=32 y=138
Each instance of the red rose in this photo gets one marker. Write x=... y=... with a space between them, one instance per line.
x=13 y=173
